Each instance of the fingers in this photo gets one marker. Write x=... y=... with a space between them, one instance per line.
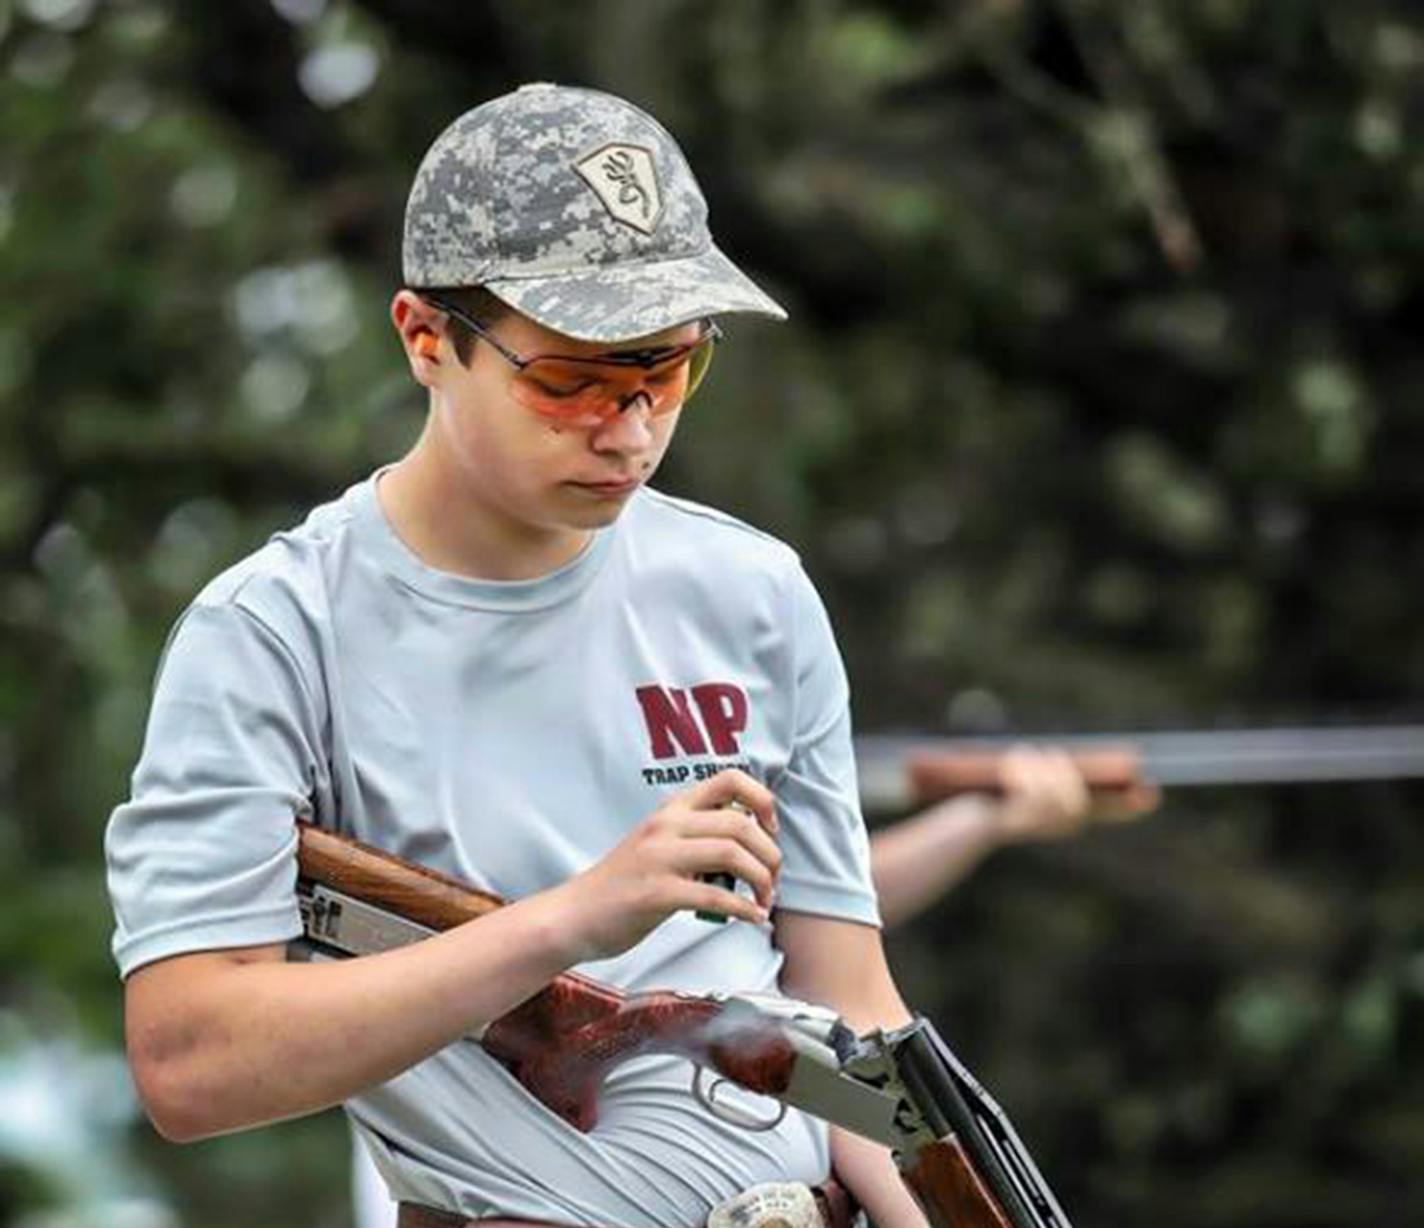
x=735 y=825
x=726 y=825
x=730 y=786
x=708 y=900
x=1045 y=795
x=703 y=855
x=1047 y=774
x=1127 y=804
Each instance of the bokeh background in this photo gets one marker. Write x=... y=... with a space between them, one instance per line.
x=1099 y=409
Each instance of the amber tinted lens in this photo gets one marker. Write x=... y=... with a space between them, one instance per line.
x=668 y=382
x=586 y=393
x=698 y=362
x=572 y=391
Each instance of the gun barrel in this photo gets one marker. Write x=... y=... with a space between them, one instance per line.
x=1173 y=758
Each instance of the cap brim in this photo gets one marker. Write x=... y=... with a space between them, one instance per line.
x=627 y=301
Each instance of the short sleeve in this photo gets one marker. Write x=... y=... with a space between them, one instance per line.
x=825 y=848
x=202 y=855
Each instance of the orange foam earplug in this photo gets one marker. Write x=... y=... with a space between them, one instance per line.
x=427 y=345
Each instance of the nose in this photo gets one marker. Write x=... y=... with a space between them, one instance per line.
x=628 y=431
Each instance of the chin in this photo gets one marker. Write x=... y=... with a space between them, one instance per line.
x=577 y=511
x=595 y=517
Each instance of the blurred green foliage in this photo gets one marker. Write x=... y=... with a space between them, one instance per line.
x=1099 y=407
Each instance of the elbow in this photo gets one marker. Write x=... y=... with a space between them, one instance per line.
x=170 y=1103
x=175 y=1087
x=188 y=1072
x=174 y=1128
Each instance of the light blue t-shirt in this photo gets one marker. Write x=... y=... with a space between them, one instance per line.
x=510 y=734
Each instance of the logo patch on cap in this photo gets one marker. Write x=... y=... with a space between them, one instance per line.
x=626 y=182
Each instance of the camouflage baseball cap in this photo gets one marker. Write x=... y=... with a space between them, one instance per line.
x=578 y=210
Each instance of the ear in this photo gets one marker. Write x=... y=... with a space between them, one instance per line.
x=417 y=325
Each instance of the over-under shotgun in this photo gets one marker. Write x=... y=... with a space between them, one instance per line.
x=899 y=771
x=903 y=1087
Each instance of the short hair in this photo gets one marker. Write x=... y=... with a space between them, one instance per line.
x=475 y=301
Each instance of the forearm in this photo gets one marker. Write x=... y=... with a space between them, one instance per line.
x=219 y=1041
x=915 y=861
x=865 y=1168
x=868 y=1171
x=221 y=1045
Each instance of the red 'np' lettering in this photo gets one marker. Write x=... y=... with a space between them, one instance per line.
x=724 y=714
x=669 y=719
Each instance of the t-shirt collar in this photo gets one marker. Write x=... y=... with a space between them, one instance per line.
x=376 y=535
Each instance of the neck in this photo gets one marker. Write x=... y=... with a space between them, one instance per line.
x=451 y=528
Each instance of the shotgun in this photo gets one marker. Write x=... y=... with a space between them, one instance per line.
x=900 y=771
x=903 y=1087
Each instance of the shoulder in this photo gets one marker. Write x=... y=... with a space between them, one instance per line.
x=283 y=587
x=706 y=535
x=287 y=567
x=741 y=584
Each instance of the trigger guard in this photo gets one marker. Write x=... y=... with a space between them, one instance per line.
x=726 y=1112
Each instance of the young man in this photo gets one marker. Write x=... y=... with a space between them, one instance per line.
x=507 y=658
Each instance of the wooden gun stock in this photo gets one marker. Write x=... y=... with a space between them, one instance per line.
x=561 y=1042
x=366 y=873
x=950 y=1190
x=935 y=775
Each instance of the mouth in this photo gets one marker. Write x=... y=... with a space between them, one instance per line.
x=625 y=486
